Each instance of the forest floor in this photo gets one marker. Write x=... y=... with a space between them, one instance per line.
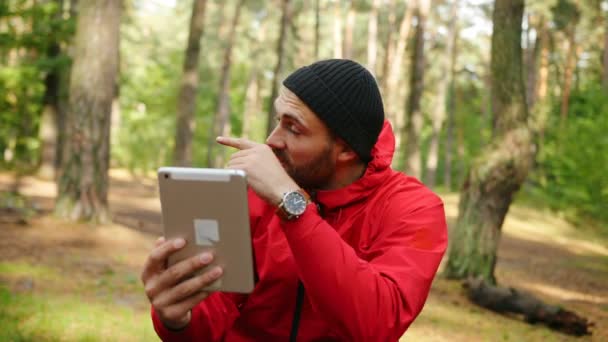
x=66 y=281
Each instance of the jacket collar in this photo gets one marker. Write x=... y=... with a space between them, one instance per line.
x=377 y=169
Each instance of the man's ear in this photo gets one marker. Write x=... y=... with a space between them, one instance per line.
x=345 y=152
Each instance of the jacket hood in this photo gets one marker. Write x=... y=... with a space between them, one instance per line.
x=377 y=169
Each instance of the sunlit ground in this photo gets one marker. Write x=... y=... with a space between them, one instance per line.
x=73 y=282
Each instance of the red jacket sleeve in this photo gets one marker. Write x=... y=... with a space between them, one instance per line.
x=210 y=320
x=374 y=299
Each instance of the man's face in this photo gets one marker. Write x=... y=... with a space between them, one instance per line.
x=302 y=143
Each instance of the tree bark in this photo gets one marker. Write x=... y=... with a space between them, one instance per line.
x=348 y=31
x=449 y=140
x=446 y=64
x=51 y=108
x=186 y=104
x=414 y=117
x=540 y=106
x=253 y=92
x=568 y=75
x=338 y=53
x=317 y=27
x=372 y=38
x=285 y=18
x=395 y=111
x=388 y=51
x=222 y=113
x=83 y=177
x=502 y=167
x=533 y=310
x=252 y=100
x=532 y=54
x=605 y=59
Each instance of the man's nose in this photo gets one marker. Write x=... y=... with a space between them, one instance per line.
x=275 y=139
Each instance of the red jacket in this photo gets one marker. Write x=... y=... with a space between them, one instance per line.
x=366 y=265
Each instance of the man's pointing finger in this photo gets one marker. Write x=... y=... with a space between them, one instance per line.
x=240 y=143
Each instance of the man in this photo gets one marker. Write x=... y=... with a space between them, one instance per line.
x=354 y=263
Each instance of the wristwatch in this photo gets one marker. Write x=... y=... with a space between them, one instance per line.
x=293 y=204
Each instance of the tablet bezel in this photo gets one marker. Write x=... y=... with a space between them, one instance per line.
x=202 y=199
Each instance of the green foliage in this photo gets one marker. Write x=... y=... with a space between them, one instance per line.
x=26 y=56
x=572 y=163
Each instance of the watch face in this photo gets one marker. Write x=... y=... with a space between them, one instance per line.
x=295 y=203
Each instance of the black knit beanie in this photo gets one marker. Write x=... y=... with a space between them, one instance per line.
x=346 y=97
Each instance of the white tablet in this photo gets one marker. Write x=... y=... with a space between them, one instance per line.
x=208 y=208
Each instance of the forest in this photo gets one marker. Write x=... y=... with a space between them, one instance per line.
x=500 y=106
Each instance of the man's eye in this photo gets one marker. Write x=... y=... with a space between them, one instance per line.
x=293 y=129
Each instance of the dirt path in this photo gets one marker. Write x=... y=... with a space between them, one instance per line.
x=538 y=252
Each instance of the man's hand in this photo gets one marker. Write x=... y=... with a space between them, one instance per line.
x=264 y=171
x=170 y=295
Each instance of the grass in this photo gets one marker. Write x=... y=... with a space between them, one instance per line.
x=40 y=317
x=68 y=282
x=53 y=308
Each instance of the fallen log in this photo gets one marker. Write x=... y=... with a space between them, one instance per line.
x=509 y=300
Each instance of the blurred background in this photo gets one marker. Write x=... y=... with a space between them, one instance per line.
x=499 y=106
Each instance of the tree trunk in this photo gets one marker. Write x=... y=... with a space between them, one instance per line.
x=64 y=89
x=449 y=137
x=73 y=8
x=568 y=76
x=449 y=140
x=338 y=30
x=393 y=102
x=372 y=38
x=50 y=111
x=186 y=104
x=533 y=310
x=605 y=59
x=222 y=113
x=252 y=94
x=317 y=27
x=388 y=50
x=83 y=177
x=414 y=118
x=348 y=31
x=285 y=18
x=532 y=54
x=540 y=106
x=252 y=100
x=500 y=170
x=446 y=64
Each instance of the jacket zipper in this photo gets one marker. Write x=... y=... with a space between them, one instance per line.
x=297 y=312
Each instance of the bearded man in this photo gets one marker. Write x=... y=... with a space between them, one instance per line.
x=345 y=247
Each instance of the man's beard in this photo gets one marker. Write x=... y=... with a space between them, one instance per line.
x=314 y=174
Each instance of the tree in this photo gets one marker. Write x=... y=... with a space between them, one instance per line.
x=52 y=111
x=372 y=37
x=349 y=27
x=501 y=169
x=285 y=19
x=446 y=63
x=414 y=118
x=186 y=105
x=222 y=114
x=83 y=176
x=338 y=53
x=317 y=27
x=566 y=16
x=605 y=59
x=394 y=63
